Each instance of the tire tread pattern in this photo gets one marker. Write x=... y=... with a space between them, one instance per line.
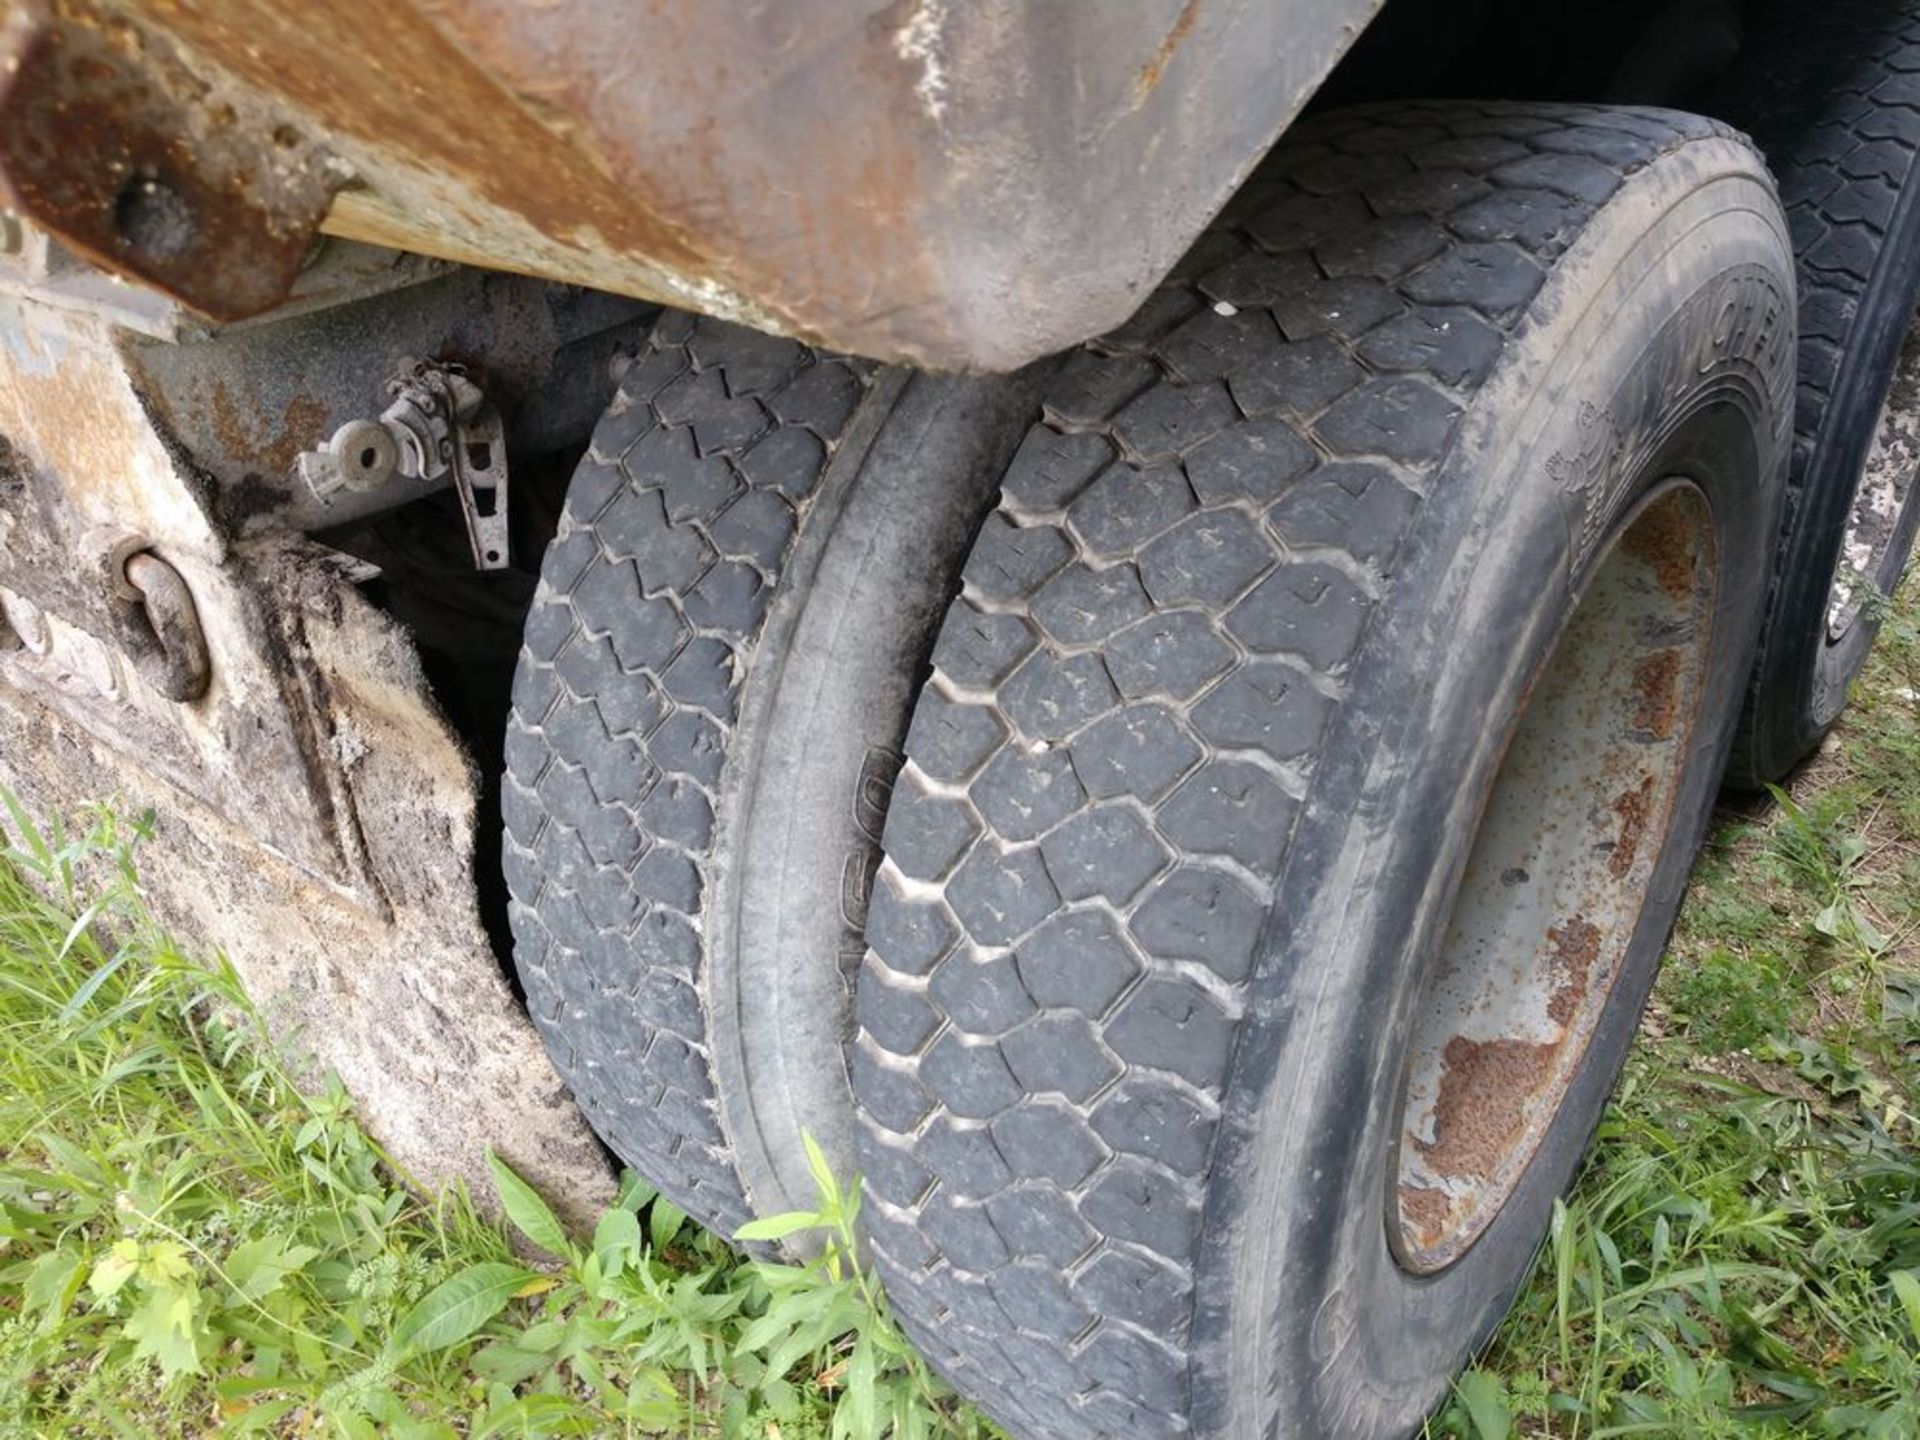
x=1831 y=95
x=1125 y=708
x=650 y=605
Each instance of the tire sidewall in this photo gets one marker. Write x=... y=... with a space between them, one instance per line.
x=1304 y=1324
x=823 y=721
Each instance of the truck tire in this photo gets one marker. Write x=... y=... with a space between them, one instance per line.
x=707 y=714
x=1832 y=95
x=1396 y=618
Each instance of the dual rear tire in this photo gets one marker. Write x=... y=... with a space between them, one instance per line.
x=719 y=663
x=1296 y=793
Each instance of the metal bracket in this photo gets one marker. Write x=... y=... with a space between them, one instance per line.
x=439 y=426
x=152 y=170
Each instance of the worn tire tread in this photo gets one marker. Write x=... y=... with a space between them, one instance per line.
x=651 y=603
x=1123 y=717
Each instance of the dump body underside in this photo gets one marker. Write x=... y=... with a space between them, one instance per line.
x=953 y=185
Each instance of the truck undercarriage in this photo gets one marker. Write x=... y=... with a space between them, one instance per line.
x=907 y=577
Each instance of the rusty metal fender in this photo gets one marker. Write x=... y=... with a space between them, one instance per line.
x=951 y=185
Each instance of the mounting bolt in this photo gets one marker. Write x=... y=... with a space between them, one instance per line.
x=154 y=219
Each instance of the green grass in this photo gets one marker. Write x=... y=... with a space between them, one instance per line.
x=189 y=1244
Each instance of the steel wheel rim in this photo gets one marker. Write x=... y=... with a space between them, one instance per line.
x=1569 y=832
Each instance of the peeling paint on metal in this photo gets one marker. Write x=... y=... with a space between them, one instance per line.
x=1635 y=810
x=1668 y=544
x=1573 y=946
x=1656 y=689
x=918 y=43
x=1486 y=1087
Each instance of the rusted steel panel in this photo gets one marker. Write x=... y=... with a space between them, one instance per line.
x=922 y=180
x=87 y=468
x=145 y=166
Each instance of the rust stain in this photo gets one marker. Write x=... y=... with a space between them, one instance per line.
x=1148 y=80
x=1656 y=691
x=1485 y=1086
x=224 y=416
x=1576 y=945
x=301 y=421
x=1664 y=540
x=372 y=71
x=543 y=152
x=108 y=142
x=1426 y=1211
x=300 y=426
x=1635 y=809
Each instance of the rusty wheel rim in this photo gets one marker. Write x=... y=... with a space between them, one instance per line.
x=1569 y=833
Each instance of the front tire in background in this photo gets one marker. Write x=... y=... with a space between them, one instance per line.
x=1832 y=95
x=1295 y=818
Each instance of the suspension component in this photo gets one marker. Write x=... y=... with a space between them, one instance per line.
x=439 y=426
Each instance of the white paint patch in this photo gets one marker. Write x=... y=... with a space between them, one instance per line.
x=350 y=747
x=1225 y=307
x=918 y=43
